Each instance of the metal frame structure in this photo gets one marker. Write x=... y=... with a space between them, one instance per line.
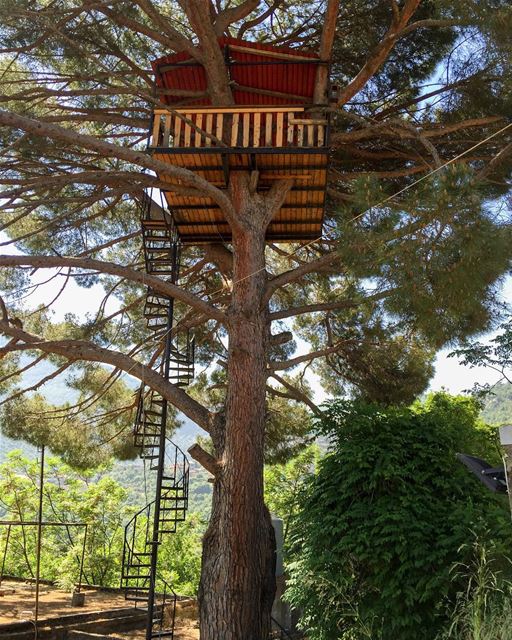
x=144 y=532
x=40 y=524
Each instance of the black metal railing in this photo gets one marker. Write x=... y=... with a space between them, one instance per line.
x=141 y=576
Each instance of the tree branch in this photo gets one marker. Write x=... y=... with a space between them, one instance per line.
x=108 y=150
x=168 y=37
x=234 y=14
x=297 y=395
x=380 y=54
x=285 y=278
x=329 y=306
x=157 y=284
x=320 y=95
x=307 y=357
x=205 y=459
x=90 y=352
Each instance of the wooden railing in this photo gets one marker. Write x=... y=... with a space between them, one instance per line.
x=237 y=127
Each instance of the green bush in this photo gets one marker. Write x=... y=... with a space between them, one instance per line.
x=386 y=516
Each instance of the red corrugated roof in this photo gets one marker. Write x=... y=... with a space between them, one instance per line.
x=283 y=76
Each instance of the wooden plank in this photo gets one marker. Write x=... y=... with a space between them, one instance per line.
x=290 y=133
x=167 y=130
x=311 y=135
x=306 y=121
x=273 y=54
x=178 y=122
x=199 y=123
x=279 y=130
x=209 y=129
x=156 y=129
x=257 y=129
x=321 y=136
x=246 y=129
x=220 y=125
x=268 y=129
x=295 y=176
x=269 y=109
x=188 y=130
x=300 y=135
x=234 y=130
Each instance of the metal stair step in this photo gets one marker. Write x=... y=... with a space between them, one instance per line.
x=161 y=244
x=165 y=247
x=152 y=412
x=163 y=272
x=137 y=589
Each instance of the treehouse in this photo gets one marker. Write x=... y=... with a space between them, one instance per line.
x=273 y=129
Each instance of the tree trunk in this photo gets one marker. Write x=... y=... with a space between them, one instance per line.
x=237 y=581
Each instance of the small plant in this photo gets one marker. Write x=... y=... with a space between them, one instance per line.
x=483 y=611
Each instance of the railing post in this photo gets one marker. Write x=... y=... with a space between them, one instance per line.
x=156 y=129
x=234 y=129
x=279 y=129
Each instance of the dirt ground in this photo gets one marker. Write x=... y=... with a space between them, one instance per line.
x=17 y=603
x=52 y=602
x=185 y=630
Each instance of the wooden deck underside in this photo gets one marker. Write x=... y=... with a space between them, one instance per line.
x=200 y=219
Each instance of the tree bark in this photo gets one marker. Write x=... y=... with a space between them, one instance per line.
x=237 y=582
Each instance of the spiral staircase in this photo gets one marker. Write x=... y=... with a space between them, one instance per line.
x=144 y=533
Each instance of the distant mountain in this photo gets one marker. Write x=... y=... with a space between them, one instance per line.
x=138 y=479
x=8 y=444
x=184 y=437
x=56 y=391
x=498 y=406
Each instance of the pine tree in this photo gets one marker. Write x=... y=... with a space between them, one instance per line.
x=393 y=278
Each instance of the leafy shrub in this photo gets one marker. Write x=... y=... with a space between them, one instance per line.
x=385 y=517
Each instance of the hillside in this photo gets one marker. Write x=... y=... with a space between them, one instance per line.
x=498 y=406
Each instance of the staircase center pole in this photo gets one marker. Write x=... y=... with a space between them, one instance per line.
x=160 y=472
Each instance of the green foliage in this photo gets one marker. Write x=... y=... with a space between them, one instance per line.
x=87 y=432
x=283 y=484
x=441 y=293
x=483 y=611
x=383 y=521
x=69 y=496
x=88 y=497
x=180 y=556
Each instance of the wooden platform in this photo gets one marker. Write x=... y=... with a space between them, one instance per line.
x=278 y=142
